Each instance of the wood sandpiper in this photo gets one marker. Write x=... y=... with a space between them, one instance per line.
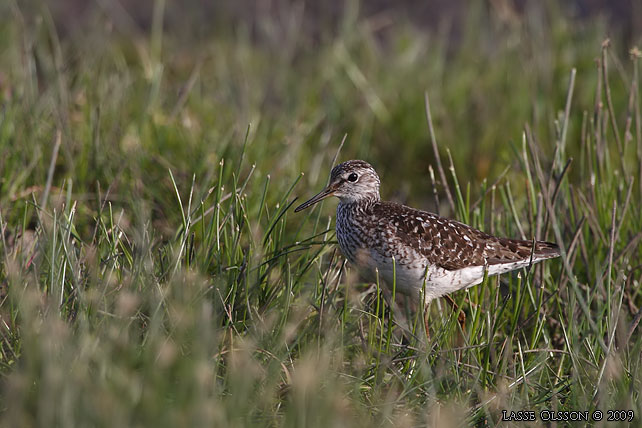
x=422 y=252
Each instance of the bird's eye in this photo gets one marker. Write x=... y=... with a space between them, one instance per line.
x=353 y=177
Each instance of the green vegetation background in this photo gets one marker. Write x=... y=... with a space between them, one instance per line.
x=153 y=273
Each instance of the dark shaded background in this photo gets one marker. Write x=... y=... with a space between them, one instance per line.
x=189 y=18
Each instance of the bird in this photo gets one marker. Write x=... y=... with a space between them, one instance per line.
x=421 y=253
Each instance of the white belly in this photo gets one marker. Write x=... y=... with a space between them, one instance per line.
x=415 y=278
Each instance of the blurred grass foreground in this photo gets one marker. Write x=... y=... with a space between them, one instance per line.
x=153 y=273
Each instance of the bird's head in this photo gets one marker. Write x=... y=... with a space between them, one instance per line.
x=351 y=181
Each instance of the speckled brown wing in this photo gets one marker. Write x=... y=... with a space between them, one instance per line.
x=453 y=245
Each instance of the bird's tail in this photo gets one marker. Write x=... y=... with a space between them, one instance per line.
x=544 y=250
x=510 y=250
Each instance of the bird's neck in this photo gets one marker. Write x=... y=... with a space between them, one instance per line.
x=362 y=204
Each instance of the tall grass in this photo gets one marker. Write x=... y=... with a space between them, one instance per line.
x=153 y=272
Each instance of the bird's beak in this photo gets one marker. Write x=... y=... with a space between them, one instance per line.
x=328 y=191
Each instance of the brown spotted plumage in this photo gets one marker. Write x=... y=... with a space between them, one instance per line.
x=420 y=251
